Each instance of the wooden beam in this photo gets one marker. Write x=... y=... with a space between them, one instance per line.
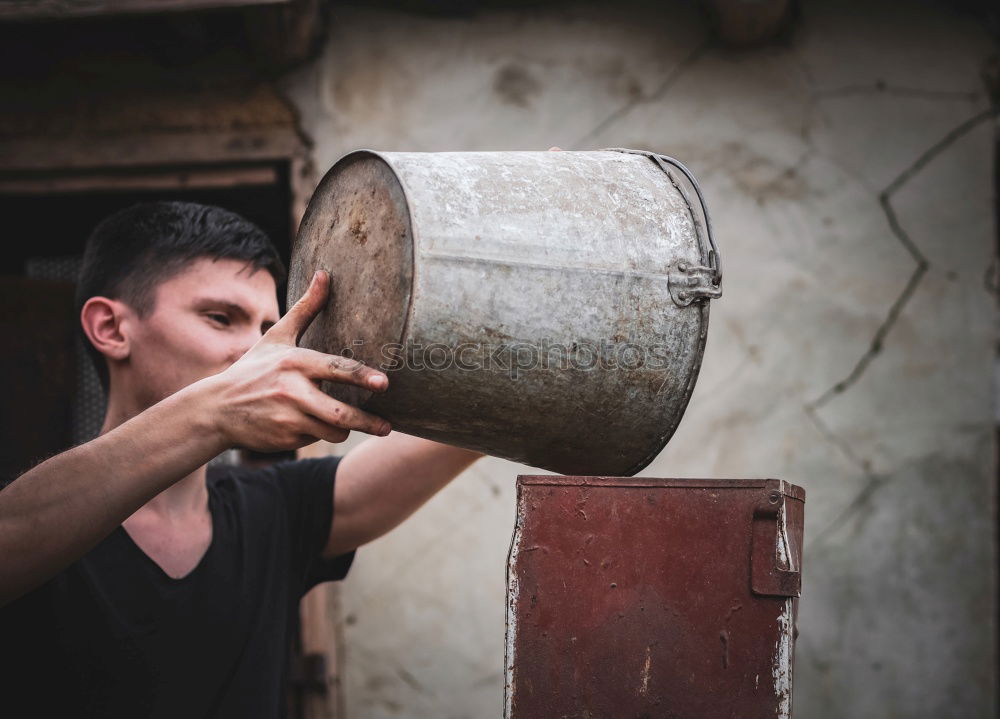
x=166 y=179
x=58 y=9
x=146 y=149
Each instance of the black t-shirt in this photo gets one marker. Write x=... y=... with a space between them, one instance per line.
x=114 y=636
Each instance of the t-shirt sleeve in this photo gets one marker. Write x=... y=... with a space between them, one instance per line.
x=308 y=488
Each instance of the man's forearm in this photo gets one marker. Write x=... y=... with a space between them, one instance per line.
x=383 y=481
x=55 y=513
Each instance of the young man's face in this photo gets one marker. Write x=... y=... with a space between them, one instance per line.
x=203 y=319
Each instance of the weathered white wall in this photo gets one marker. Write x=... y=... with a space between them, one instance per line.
x=795 y=145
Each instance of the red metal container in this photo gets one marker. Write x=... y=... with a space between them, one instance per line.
x=635 y=598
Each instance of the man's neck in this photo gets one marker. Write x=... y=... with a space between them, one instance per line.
x=180 y=501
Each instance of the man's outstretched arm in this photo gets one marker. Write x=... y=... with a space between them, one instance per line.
x=383 y=481
x=59 y=510
x=267 y=400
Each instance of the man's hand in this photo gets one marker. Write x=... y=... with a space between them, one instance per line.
x=270 y=400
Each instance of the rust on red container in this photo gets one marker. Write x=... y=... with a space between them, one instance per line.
x=648 y=598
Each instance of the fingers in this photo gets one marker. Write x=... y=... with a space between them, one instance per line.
x=340 y=415
x=335 y=368
x=325 y=417
x=295 y=322
x=313 y=430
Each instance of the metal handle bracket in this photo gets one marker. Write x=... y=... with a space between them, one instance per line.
x=693 y=282
x=688 y=283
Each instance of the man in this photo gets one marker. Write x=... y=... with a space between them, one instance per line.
x=133 y=581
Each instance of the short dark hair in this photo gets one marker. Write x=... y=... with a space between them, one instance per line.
x=131 y=252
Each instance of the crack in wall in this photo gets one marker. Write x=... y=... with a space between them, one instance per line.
x=657 y=94
x=873 y=484
x=837 y=441
x=878 y=340
x=921 y=262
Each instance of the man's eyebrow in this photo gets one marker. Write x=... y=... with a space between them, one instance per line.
x=232 y=308
x=223 y=304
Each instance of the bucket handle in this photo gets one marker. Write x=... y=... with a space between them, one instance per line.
x=714 y=259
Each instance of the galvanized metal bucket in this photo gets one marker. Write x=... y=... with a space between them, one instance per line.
x=546 y=307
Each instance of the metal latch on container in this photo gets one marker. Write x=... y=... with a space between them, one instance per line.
x=772 y=557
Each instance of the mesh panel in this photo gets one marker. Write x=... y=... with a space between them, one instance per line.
x=89 y=403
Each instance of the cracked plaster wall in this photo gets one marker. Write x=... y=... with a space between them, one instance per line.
x=849 y=176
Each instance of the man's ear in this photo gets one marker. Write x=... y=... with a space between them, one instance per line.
x=104 y=323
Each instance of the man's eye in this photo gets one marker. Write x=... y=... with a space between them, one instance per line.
x=221 y=319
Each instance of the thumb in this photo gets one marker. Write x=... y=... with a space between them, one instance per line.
x=290 y=328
